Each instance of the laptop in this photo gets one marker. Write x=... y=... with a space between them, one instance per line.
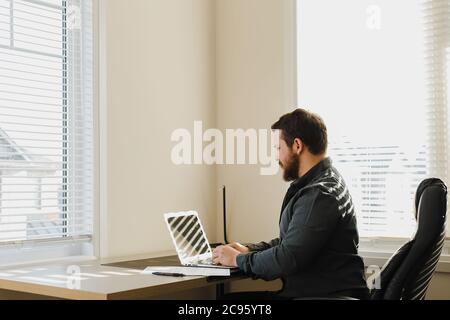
x=190 y=241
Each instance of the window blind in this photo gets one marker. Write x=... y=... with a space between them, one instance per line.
x=46 y=120
x=377 y=73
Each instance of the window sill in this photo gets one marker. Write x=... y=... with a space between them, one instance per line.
x=58 y=261
x=45 y=252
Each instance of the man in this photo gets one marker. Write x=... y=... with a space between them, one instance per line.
x=316 y=254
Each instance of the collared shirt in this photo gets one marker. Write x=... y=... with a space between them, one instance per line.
x=317 y=249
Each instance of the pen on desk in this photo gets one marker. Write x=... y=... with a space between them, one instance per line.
x=169 y=274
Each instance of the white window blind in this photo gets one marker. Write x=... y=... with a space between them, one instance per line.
x=376 y=71
x=46 y=121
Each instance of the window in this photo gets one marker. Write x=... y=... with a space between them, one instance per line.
x=377 y=73
x=46 y=122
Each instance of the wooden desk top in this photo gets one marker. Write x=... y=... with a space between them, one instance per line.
x=118 y=280
x=141 y=264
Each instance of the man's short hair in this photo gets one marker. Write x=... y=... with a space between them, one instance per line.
x=306 y=126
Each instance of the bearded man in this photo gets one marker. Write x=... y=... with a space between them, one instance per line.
x=316 y=253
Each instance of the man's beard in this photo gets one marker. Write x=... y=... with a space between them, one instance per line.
x=291 y=168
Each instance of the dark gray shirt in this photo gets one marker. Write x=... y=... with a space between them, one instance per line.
x=317 y=250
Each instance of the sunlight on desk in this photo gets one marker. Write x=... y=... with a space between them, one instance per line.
x=44 y=280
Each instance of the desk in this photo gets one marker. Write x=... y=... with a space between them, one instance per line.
x=97 y=281
x=141 y=264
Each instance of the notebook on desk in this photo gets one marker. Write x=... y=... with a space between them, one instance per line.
x=190 y=241
x=188 y=271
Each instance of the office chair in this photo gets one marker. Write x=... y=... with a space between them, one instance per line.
x=407 y=274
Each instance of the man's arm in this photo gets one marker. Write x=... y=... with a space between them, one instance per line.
x=261 y=246
x=310 y=228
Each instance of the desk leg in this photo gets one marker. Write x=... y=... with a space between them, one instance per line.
x=220 y=290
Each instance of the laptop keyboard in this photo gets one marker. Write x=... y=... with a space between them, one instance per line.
x=208 y=262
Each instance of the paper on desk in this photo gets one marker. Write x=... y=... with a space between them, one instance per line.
x=190 y=271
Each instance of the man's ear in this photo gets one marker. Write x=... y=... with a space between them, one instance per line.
x=298 y=146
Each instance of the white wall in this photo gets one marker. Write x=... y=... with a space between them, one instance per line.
x=160 y=76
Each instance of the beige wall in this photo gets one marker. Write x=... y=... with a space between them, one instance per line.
x=160 y=76
x=170 y=62
x=255 y=86
x=439 y=287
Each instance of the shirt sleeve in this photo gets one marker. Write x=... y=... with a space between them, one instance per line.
x=313 y=221
x=261 y=246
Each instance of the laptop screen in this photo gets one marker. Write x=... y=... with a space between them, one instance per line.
x=188 y=237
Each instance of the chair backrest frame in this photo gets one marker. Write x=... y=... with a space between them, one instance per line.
x=408 y=272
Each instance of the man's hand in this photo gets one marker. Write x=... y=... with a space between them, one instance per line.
x=239 y=247
x=225 y=255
